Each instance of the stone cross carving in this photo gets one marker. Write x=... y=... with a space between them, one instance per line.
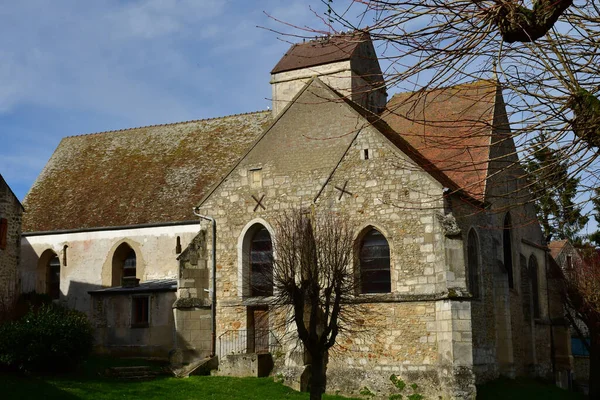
x=259 y=202
x=343 y=190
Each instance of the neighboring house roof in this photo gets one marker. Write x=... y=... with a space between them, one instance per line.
x=147 y=175
x=321 y=51
x=156 y=285
x=451 y=127
x=556 y=247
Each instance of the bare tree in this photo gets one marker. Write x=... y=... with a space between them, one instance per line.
x=581 y=278
x=313 y=279
x=545 y=54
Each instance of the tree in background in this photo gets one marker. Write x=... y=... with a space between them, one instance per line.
x=554 y=189
x=314 y=282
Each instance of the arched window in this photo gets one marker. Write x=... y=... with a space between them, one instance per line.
x=535 y=290
x=124 y=264
x=260 y=262
x=374 y=255
x=507 y=246
x=473 y=264
x=53 y=278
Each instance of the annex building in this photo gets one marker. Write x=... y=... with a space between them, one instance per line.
x=452 y=260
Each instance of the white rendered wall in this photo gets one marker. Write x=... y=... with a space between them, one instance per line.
x=90 y=254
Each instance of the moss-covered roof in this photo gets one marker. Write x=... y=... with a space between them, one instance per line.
x=147 y=175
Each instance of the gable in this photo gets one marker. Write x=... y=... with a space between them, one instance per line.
x=300 y=150
x=148 y=175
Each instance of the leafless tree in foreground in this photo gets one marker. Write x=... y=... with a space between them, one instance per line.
x=545 y=54
x=312 y=276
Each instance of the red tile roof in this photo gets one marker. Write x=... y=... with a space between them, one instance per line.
x=451 y=127
x=556 y=247
x=146 y=175
x=321 y=51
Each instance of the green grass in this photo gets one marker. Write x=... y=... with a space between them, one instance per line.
x=89 y=383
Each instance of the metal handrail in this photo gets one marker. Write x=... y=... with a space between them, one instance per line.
x=244 y=341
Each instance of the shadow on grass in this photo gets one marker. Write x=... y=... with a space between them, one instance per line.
x=517 y=389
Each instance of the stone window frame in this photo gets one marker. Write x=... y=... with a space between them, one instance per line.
x=534 y=277
x=473 y=278
x=140 y=304
x=507 y=238
x=118 y=263
x=243 y=287
x=356 y=268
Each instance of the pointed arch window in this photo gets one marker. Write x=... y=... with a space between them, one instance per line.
x=535 y=290
x=261 y=262
x=374 y=255
x=124 y=264
x=473 y=264
x=507 y=247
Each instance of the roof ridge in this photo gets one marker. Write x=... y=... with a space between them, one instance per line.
x=167 y=124
x=443 y=87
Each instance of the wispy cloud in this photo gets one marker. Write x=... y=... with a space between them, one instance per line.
x=128 y=62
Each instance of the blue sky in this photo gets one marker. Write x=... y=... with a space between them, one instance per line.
x=70 y=67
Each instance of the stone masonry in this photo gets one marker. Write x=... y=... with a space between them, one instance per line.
x=11 y=213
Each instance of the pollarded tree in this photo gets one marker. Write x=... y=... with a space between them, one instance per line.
x=312 y=277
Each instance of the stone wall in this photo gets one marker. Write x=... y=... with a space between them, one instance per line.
x=115 y=334
x=11 y=211
x=192 y=308
x=323 y=163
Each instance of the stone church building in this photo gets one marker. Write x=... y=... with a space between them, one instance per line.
x=126 y=226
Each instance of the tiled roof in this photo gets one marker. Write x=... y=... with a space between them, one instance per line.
x=156 y=285
x=321 y=51
x=556 y=247
x=146 y=175
x=451 y=128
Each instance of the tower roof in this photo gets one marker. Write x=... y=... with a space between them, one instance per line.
x=323 y=50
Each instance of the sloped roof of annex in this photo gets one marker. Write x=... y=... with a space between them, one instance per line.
x=452 y=128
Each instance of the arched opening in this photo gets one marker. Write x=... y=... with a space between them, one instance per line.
x=53 y=278
x=124 y=264
x=48 y=274
x=535 y=291
x=260 y=259
x=374 y=262
x=473 y=264
x=507 y=247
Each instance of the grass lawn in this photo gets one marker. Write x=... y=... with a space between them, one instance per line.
x=88 y=383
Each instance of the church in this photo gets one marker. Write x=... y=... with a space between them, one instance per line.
x=155 y=231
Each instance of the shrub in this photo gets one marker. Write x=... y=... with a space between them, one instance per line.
x=50 y=338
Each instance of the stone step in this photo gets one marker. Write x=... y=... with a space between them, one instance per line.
x=134 y=373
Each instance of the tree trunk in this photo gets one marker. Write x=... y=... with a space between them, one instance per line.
x=317 y=379
x=594 y=363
